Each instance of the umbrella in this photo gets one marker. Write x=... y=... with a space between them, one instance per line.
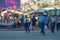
x=4 y=12
x=11 y=11
x=17 y=12
x=40 y=10
x=52 y=8
x=31 y=12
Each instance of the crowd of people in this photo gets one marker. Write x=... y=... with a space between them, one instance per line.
x=31 y=22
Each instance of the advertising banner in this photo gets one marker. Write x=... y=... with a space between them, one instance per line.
x=13 y=4
x=2 y=4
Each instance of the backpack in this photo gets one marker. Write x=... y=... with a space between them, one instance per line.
x=33 y=20
x=42 y=19
x=29 y=19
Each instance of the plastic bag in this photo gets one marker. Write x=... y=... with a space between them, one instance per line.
x=45 y=27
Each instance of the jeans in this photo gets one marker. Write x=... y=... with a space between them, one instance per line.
x=41 y=25
x=52 y=27
x=58 y=26
x=15 y=25
x=27 y=27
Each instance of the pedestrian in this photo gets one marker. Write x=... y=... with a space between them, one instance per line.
x=22 y=20
x=33 y=23
x=19 y=23
x=29 y=21
x=58 y=22
x=41 y=22
x=45 y=22
x=53 y=21
x=15 y=22
x=26 y=24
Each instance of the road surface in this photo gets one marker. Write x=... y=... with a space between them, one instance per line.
x=33 y=35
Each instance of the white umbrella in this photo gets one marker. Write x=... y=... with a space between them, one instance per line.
x=17 y=12
x=26 y=14
x=52 y=8
x=11 y=11
x=4 y=12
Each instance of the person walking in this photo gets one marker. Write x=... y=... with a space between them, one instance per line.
x=41 y=22
x=33 y=23
x=15 y=22
x=22 y=21
x=29 y=22
x=26 y=24
x=58 y=23
x=53 y=21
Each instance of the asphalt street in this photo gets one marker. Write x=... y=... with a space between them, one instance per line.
x=33 y=35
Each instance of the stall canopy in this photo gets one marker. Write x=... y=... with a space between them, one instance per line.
x=40 y=10
x=17 y=12
x=51 y=8
x=31 y=12
x=12 y=11
x=26 y=14
x=2 y=13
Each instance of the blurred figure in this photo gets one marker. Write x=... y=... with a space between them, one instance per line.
x=49 y=26
x=41 y=21
x=0 y=17
x=22 y=20
x=53 y=21
x=29 y=21
x=45 y=22
x=5 y=16
x=15 y=22
x=19 y=23
x=33 y=23
x=26 y=24
x=58 y=22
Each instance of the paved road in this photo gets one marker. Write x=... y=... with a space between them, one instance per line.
x=33 y=35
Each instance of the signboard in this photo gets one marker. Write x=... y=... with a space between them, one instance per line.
x=2 y=4
x=11 y=4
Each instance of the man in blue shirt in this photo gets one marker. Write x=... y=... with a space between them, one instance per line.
x=53 y=21
x=58 y=22
x=26 y=24
x=42 y=21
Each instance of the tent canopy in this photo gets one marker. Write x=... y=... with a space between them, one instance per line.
x=17 y=12
x=49 y=8
x=31 y=12
x=4 y=12
x=40 y=10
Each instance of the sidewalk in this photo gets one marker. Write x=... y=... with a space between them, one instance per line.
x=11 y=29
